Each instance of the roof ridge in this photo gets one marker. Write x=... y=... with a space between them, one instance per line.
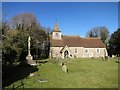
x=91 y=38
x=71 y=35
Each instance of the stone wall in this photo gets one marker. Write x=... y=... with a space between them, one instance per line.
x=55 y=52
x=76 y=52
x=92 y=52
x=79 y=52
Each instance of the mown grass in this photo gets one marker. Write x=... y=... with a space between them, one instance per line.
x=82 y=73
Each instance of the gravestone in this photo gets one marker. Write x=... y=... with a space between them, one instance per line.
x=64 y=68
x=42 y=80
x=31 y=74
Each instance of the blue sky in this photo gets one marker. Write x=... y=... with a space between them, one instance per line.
x=73 y=18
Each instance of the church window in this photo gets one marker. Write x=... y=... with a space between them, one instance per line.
x=86 y=51
x=98 y=50
x=75 y=50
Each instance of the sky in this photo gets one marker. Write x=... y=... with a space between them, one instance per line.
x=74 y=18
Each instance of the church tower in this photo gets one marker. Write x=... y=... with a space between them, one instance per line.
x=56 y=33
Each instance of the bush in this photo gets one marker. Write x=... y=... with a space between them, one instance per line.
x=9 y=55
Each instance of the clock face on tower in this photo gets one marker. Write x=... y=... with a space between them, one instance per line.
x=57 y=35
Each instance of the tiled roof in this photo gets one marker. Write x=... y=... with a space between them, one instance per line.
x=93 y=43
x=76 y=41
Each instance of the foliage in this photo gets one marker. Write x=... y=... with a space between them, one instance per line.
x=114 y=43
x=15 y=37
x=26 y=21
x=8 y=49
x=101 y=32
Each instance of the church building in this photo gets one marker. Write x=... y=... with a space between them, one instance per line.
x=62 y=46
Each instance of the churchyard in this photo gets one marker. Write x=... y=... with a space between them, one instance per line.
x=82 y=73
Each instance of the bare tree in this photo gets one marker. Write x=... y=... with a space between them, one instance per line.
x=26 y=21
x=101 y=32
x=104 y=34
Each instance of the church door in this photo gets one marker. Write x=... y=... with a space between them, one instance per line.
x=66 y=53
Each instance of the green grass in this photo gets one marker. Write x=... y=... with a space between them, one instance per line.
x=83 y=73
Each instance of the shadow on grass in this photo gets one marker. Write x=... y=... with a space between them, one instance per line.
x=117 y=61
x=41 y=61
x=15 y=73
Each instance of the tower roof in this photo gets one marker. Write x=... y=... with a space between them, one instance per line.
x=56 y=28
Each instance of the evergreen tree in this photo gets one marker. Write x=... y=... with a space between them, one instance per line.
x=114 y=46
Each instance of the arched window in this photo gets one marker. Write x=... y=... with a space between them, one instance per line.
x=66 y=54
x=86 y=51
x=98 y=50
x=75 y=50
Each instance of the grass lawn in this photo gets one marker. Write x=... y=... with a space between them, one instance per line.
x=83 y=73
